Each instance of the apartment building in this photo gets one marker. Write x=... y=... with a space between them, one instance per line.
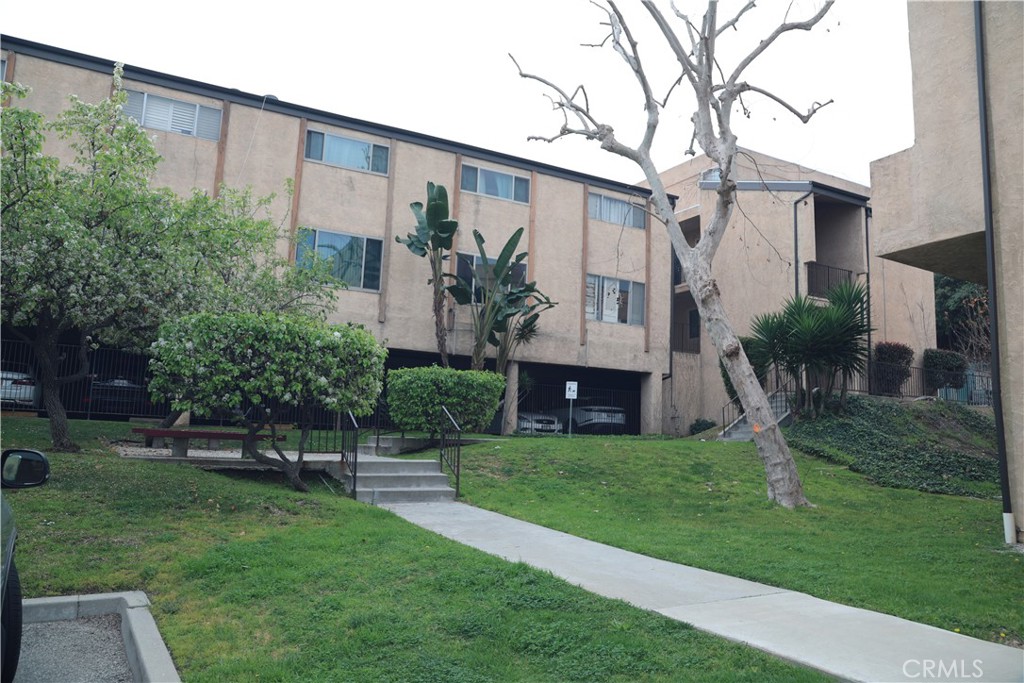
x=964 y=177
x=591 y=246
x=626 y=327
x=794 y=231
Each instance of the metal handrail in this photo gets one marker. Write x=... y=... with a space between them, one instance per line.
x=451 y=447
x=732 y=412
x=350 y=449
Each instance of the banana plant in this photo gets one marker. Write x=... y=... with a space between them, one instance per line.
x=503 y=306
x=433 y=239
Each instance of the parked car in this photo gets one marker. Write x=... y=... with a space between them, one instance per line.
x=20 y=469
x=18 y=387
x=538 y=423
x=593 y=418
x=119 y=395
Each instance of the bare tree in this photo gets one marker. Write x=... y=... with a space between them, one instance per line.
x=716 y=96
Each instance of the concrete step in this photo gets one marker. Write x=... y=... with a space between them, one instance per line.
x=392 y=445
x=372 y=465
x=410 y=495
x=401 y=481
x=382 y=480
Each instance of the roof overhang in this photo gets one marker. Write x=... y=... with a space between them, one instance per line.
x=801 y=186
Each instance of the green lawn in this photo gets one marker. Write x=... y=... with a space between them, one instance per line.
x=252 y=581
x=938 y=559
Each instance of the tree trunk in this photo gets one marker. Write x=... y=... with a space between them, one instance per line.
x=171 y=419
x=290 y=469
x=784 y=486
x=510 y=409
x=46 y=352
x=440 y=322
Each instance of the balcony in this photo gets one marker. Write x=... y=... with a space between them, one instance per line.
x=822 y=278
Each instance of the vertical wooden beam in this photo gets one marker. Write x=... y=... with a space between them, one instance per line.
x=300 y=154
x=222 y=147
x=8 y=75
x=389 y=228
x=456 y=197
x=647 y=277
x=531 y=241
x=583 y=264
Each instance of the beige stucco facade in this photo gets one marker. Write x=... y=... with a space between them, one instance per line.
x=929 y=199
x=594 y=264
x=262 y=143
x=791 y=230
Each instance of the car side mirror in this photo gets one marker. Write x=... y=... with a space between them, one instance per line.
x=22 y=468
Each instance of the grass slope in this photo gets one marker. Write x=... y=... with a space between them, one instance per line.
x=251 y=581
x=936 y=559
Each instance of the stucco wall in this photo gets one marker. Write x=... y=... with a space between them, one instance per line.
x=932 y=213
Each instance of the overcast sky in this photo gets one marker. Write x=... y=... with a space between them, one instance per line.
x=442 y=68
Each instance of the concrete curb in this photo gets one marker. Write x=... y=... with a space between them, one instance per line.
x=148 y=657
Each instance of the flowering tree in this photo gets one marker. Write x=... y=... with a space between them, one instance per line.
x=91 y=250
x=256 y=368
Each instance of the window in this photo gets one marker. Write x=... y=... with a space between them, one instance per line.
x=346 y=152
x=163 y=113
x=495 y=183
x=618 y=211
x=615 y=301
x=469 y=268
x=354 y=260
x=3 y=69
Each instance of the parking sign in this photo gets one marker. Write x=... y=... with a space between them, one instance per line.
x=570 y=390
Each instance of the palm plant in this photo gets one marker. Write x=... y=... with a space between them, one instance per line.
x=850 y=353
x=814 y=344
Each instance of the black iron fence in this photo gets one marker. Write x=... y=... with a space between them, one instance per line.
x=971 y=387
x=594 y=411
x=115 y=386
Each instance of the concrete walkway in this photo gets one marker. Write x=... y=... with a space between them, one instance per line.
x=846 y=642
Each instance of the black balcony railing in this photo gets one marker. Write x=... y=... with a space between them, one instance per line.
x=822 y=278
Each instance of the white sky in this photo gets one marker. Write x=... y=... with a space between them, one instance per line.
x=442 y=68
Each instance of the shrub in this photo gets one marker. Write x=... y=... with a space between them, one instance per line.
x=416 y=395
x=944 y=369
x=701 y=425
x=891 y=367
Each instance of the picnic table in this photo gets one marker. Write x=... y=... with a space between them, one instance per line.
x=180 y=438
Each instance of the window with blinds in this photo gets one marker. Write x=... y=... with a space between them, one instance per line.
x=164 y=113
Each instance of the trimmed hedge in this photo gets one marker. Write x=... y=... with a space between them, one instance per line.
x=416 y=395
x=944 y=369
x=892 y=367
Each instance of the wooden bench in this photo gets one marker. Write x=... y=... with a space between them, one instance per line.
x=180 y=438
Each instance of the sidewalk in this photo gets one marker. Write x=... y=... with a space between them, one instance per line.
x=846 y=642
